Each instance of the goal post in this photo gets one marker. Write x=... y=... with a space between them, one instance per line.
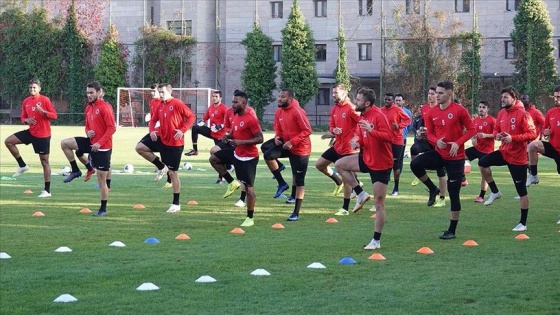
x=133 y=104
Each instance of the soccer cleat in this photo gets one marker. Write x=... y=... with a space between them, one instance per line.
x=440 y=203
x=362 y=198
x=558 y=222
x=220 y=180
x=191 y=153
x=100 y=213
x=173 y=208
x=395 y=193
x=532 y=179
x=88 y=174
x=167 y=185
x=44 y=194
x=291 y=200
x=464 y=183
x=517 y=197
x=20 y=170
x=373 y=208
x=338 y=189
x=492 y=197
x=293 y=217
x=447 y=235
x=374 y=244
x=353 y=195
x=160 y=173
x=342 y=211
x=479 y=199
x=281 y=189
x=231 y=188
x=432 y=197
x=248 y=222
x=240 y=203
x=519 y=228
x=415 y=182
x=72 y=175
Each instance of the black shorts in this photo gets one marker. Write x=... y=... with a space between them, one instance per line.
x=397 y=153
x=382 y=176
x=203 y=130
x=245 y=171
x=224 y=145
x=154 y=146
x=332 y=155
x=421 y=146
x=473 y=154
x=41 y=146
x=518 y=172
x=433 y=161
x=101 y=160
x=550 y=151
x=299 y=164
x=171 y=156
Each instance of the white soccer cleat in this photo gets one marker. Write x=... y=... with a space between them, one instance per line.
x=373 y=245
x=492 y=197
x=517 y=197
x=532 y=179
x=44 y=194
x=20 y=170
x=362 y=198
x=240 y=203
x=160 y=173
x=173 y=208
x=519 y=228
x=558 y=222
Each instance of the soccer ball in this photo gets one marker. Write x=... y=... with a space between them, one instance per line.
x=65 y=170
x=187 y=166
x=129 y=169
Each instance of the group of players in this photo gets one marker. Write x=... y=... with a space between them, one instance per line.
x=365 y=139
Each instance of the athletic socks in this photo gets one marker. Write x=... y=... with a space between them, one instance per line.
x=48 y=187
x=346 y=204
x=74 y=165
x=396 y=185
x=278 y=177
x=493 y=187
x=533 y=170
x=452 y=226
x=298 y=206
x=336 y=179
x=250 y=213
x=20 y=162
x=524 y=213
x=88 y=166
x=108 y=181
x=195 y=146
x=377 y=236
x=157 y=162
x=175 y=198
x=103 y=205
x=243 y=195
x=227 y=177
x=482 y=193
x=358 y=190
x=430 y=185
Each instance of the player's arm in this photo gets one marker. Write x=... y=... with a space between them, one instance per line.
x=529 y=132
x=404 y=119
x=110 y=128
x=50 y=111
x=301 y=120
x=382 y=131
x=468 y=126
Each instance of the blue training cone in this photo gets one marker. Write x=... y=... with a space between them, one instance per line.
x=347 y=261
x=151 y=240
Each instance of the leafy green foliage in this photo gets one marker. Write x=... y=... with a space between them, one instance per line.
x=259 y=73
x=112 y=67
x=341 y=73
x=162 y=55
x=298 y=57
x=470 y=74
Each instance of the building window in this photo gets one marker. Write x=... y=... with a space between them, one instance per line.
x=320 y=8
x=512 y=5
x=180 y=27
x=277 y=9
x=510 y=52
x=277 y=50
x=323 y=96
x=412 y=6
x=364 y=51
x=462 y=6
x=365 y=7
x=321 y=52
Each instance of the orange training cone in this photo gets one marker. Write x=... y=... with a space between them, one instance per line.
x=373 y=216
x=331 y=220
x=377 y=256
x=425 y=251
x=183 y=237
x=85 y=210
x=522 y=237
x=27 y=191
x=277 y=226
x=139 y=206
x=38 y=214
x=470 y=243
x=192 y=202
x=237 y=231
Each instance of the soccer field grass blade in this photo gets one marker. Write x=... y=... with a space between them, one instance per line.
x=260 y=272
x=63 y=249
x=147 y=286
x=347 y=261
x=117 y=244
x=316 y=265
x=4 y=255
x=65 y=298
x=205 y=279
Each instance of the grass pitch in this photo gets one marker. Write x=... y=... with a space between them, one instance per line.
x=501 y=275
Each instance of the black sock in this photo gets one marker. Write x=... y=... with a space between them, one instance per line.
x=74 y=165
x=493 y=187
x=452 y=226
x=298 y=206
x=280 y=165
x=358 y=190
x=396 y=185
x=430 y=185
x=20 y=162
x=524 y=213
x=346 y=204
x=108 y=181
x=88 y=166
x=533 y=170
x=227 y=177
x=250 y=213
x=48 y=187
x=464 y=178
x=175 y=198
x=243 y=195
x=168 y=178
x=158 y=163
x=279 y=177
x=293 y=195
x=336 y=179
x=195 y=146
x=103 y=205
x=377 y=236
x=482 y=193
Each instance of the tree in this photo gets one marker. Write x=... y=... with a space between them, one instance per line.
x=258 y=76
x=341 y=73
x=535 y=67
x=111 y=68
x=469 y=76
x=298 y=57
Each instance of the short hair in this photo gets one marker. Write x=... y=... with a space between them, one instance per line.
x=35 y=81
x=154 y=86
x=289 y=91
x=511 y=91
x=166 y=86
x=448 y=85
x=432 y=87
x=340 y=86
x=369 y=95
x=219 y=92
x=95 y=85
x=399 y=94
x=390 y=95
x=241 y=94
x=557 y=88
x=483 y=103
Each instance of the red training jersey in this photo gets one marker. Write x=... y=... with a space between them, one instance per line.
x=345 y=117
x=453 y=124
x=519 y=124
x=216 y=114
x=154 y=104
x=228 y=117
x=172 y=115
x=484 y=125
x=396 y=115
x=291 y=124
x=42 y=127
x=538 y=119
x=100 y=118
x=552 y=121
x=376 y=145
x=245 y=128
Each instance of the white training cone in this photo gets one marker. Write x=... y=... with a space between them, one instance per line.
x=148 y=286
x=205 y=279
x=316 y=265
x=65 y=298
x=4 y=255
x=63 y=249
x=260 y=272
x=117 y=244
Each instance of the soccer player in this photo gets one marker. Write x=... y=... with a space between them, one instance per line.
x=175 y=118
x=483 y=142
x=422 y=144
x=291 y=140
x=536 y=115
x=550 y=148
x=375 y=137
x=342 y=127
x=215 y=113
x=400 y=101
x=37 y=111
x=449 y=126
x=100 y=127
x=244 y=155
x=398 y=120
x=514 y=127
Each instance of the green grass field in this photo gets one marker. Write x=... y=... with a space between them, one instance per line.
x=500 y=276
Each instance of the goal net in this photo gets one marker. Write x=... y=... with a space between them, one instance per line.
x=134 y=104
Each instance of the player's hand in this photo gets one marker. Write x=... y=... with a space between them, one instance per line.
x=454 y=148
x=441 y=144
x=547 y=132
x=481 y=135
x=30 y=121
x=213 y=128
x=354 y=145
x=421 y=133
x=327 y=136
x=474 y=140
x=395 y=126
x=153 y=136
x=95 y=147
x=90 y=133
x=277 y=141
x=287 y=145
x=365 y=125
x=178 y=134
x=201 y=123
x=40 y=109
x=337 y=130
x=506 y=137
